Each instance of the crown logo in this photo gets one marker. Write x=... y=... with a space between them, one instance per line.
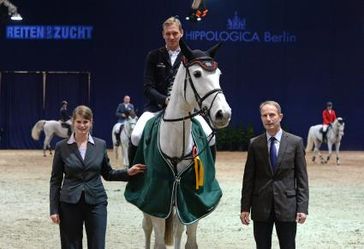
x=236 y=23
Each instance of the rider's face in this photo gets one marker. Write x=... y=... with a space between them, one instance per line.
x=172 y=34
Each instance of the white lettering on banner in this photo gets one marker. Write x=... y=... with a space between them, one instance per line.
x=76 y=32
x=236 y=31
x=234 y=36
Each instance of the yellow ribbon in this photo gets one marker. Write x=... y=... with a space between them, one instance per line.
x=199 y=172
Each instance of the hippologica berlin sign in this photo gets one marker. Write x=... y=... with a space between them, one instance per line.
x=49 y=32
x=236 y=31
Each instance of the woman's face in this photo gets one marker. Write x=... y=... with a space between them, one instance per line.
x=81 y=126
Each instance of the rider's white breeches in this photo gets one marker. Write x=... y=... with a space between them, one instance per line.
x=324 y=127
x=139 y=127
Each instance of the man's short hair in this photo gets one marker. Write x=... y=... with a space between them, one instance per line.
x=271 y=102
x=172 y=20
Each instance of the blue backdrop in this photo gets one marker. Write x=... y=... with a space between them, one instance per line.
x=300 y=53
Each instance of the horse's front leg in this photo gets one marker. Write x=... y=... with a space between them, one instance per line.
x=159 y=231
x=178 y=230
x=147 y=227
x=124 y=147
x=337 y=148
x=329 y=146
x=191 y=242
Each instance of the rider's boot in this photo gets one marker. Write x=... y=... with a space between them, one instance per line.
x=324 y=138
x=117 y=135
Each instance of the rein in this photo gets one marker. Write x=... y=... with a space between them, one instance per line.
x=204 y=111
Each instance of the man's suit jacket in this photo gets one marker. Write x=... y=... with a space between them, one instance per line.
x=80 y=175
x=286 y=189
x=158 y=75
x=122 y=109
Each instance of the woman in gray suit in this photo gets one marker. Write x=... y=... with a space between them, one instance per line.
x=77 y=195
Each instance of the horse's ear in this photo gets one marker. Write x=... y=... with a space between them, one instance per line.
x=212 y=50
x=186 y=51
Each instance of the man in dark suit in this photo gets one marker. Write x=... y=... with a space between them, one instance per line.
x=161 y=66
x=275 y=182
x=160 y=70
x=122 y=112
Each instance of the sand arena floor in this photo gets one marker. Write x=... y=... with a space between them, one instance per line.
x=336 y=219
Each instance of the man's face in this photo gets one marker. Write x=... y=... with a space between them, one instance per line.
x=172 y=35
x=271 y=119
x=126 y=99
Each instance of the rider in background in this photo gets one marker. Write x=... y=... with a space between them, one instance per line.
x=160 y=69
x=328 y=116
x=122 y=112
x=64 y=117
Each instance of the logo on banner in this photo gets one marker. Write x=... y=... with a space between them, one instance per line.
x=50 y=32
x=237 y=31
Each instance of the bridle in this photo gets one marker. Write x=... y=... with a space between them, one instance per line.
x=210 y=65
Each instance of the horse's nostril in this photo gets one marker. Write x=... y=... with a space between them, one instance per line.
x=219 y=115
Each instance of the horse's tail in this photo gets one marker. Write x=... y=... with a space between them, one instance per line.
x=168 y=236
x=309 y=146
x=37 y=128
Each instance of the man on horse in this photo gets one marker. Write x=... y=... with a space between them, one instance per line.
x=160 y=70
x=64 y=117
x=328 y=117
x=122 y=113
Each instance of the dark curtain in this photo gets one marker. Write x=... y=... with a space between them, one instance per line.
x=72 y=87
x=20 y=108
x=23 y=103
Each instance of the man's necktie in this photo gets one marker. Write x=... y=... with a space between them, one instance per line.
x=273 y=153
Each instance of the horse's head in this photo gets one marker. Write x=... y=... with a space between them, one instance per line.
x=131 y=122
x=340 y=125
x=202 y=86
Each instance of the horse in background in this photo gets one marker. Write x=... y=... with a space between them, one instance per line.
x=179 y=188
x=50 y=128
x=125 y=134
x=334 y=135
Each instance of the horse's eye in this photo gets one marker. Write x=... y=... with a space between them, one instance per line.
x=197 y=74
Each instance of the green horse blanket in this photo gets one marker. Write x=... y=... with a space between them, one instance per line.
x=159 y=188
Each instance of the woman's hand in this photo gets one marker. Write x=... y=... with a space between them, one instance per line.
x=55 y=218
x=136 y=169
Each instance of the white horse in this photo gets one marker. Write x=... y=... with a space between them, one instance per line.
x=334 y=136
x=50 y=128
x=196 y=90
x=125 y=134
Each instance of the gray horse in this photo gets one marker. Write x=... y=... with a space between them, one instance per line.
x=50 y=129
x=334 y=135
